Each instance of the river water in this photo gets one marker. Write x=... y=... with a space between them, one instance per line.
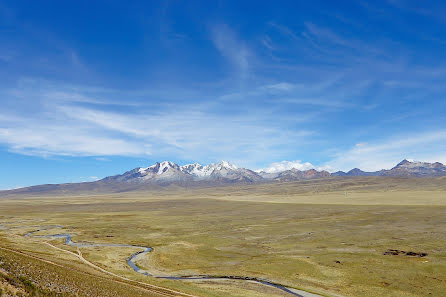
x=131 y=261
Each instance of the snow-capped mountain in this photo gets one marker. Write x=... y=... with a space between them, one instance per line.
x=167 y=173
x=203 y=172
x=164 y=171
x=170 y=172
x=225 y=172
x=196 y=170
x=236 y=175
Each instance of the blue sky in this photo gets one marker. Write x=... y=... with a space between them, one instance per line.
x=93 y=89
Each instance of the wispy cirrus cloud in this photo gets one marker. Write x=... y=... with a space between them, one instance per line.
x=309 y=80
x=52 y=139
x=436 y=9
x=71 y=124
x=232 y=48
x=281 y=86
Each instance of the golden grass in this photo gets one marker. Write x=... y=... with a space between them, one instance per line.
x=323 y=236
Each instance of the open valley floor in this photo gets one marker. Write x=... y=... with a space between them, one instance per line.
x=367 y=236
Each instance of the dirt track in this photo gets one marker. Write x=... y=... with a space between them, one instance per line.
x=154 y=290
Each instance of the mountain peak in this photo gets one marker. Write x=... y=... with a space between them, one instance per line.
x=416 y=169
x=194 y=169
x=166 y=173
x=192 y=165
x=159 y=168
x=355 y=171
x=224 y=164
x=166 y=165
x=402 y=163
x=205 y=172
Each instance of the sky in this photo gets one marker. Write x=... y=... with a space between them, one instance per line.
x=95 y=88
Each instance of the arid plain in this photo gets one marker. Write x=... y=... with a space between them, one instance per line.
x=364 y=236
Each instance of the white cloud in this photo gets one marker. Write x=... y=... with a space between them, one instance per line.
x=37 y=138
x=286 y=165
x=236 y=51
x=282 y=86
x=61 y=123
x=424 y=146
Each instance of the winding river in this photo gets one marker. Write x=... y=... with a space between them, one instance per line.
x=131 y=261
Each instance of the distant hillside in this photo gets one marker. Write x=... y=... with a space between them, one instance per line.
x=404 y=168
x=167 y=174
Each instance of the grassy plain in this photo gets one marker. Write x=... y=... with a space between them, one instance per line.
x=323 y=236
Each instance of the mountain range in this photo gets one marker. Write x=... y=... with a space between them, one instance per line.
x=405 y=168
x=168 y=172
x=160 y=175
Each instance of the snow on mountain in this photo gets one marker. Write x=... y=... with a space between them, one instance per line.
x=164 y=171
x=159 y=168
x=410 y=164
x=224 y=172
x=168 y=173
x=223 y=165
x=268 y=175
x=416 y=169
x=195 y=169
x=405 y=168
x=200 y=171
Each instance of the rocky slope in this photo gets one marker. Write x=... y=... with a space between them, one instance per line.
x=355 y=172
x=166 y=172
x=294 y=174
x=416 y=169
